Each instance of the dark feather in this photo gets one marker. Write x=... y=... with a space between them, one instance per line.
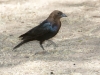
x=20 y=44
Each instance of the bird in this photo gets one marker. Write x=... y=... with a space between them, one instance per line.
x=45 y=30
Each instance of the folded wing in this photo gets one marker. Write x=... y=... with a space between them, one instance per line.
x=38 y=31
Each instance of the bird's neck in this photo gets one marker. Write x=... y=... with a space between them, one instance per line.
x=53 y=20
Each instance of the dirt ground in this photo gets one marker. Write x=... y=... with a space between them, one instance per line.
x=78 y=42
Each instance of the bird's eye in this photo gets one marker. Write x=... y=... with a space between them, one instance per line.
x=59 y=13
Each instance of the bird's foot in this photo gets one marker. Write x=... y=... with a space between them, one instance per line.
x=51 y=43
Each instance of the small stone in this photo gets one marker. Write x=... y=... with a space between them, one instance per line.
x=74 y=64
x=51 y=73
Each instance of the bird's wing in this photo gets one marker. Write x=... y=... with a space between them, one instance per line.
x=40 y=30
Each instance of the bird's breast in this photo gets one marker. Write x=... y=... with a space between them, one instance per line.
x=54 y=28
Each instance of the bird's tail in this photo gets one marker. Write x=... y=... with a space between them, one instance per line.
x=24 y=41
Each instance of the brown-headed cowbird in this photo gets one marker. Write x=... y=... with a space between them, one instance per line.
x=45 y=30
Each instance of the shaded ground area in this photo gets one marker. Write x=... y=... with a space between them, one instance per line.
x=78 y=42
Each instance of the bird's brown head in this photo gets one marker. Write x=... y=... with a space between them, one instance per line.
x=56 y=15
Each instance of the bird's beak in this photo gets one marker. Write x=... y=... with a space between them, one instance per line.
x=63 y=15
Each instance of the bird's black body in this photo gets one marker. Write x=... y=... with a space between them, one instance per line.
x=41 y=33
x=46 y=30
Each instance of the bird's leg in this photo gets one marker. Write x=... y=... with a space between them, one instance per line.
x=41 y=45
x=52 y=43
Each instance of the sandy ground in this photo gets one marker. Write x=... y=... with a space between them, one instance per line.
x=78 y=51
